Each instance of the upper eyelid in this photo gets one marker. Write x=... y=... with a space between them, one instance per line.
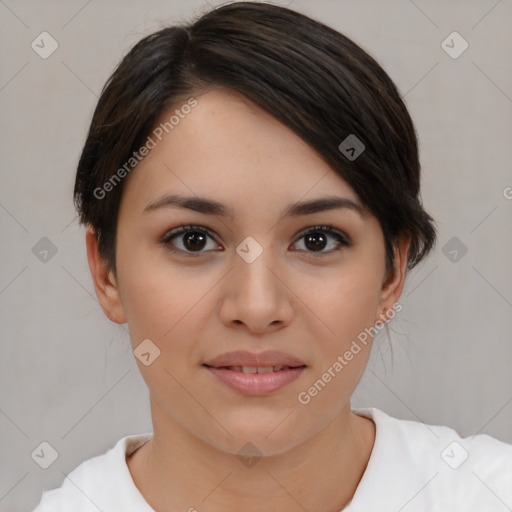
x=179 y=230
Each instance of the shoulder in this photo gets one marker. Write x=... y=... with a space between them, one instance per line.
x=89 y=486
x=433 y=466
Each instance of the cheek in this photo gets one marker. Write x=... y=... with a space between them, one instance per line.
x=344 y=349
x=346 y=303
x=164 y=305
x=163 y=301
x=158 y=305
x=152 y=294
x=346 y=307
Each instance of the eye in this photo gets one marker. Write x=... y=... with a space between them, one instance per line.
x=193 y=240
x=190 y=240
x=316 y=239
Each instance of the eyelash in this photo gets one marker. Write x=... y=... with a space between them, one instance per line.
x=327 y=229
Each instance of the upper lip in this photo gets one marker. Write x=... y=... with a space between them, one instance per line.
x=264 y=359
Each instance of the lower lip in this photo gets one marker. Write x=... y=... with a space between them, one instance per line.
x=256 y=384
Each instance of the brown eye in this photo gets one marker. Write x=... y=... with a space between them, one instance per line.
x=318 y=238
x=194 y=241
x=189 y=240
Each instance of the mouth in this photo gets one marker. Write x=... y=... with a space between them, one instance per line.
x=255 y=369
x=255 y=380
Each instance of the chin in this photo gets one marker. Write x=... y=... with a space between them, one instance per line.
x=268 y=435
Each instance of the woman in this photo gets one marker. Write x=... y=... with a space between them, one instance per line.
x=250 y=186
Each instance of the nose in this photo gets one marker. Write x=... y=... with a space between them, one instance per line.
x=256 y=295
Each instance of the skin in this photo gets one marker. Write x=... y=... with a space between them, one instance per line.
x=289 y=299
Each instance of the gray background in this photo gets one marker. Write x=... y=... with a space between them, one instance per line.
x=67 y=375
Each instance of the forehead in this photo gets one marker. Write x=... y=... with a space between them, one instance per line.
x=228 y=148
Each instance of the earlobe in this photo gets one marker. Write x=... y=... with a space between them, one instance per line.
x=104 y=281
x=394 y=284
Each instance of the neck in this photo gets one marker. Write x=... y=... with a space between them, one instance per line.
x=178 y=471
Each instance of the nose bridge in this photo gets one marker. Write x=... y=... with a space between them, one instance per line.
x=256 y=296
x=252 y=266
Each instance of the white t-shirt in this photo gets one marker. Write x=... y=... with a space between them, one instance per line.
x=413 y=467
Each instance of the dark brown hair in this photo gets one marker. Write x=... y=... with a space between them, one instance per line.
x=312 y=78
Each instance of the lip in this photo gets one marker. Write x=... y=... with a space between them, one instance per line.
x=245 y=358
x=256 y=384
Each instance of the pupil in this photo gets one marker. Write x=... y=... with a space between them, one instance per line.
x=194 y=240
x=317 y=241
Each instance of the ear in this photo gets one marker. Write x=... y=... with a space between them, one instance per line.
x=394 y=282
x=105 y=284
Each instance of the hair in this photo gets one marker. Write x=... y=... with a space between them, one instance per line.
x=310 y=77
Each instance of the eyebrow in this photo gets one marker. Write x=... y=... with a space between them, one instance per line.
x=212 y=207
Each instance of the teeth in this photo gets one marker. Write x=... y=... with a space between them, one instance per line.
x=265 y=369
x=256 y=369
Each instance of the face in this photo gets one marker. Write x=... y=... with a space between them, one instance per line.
x=254 y=278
